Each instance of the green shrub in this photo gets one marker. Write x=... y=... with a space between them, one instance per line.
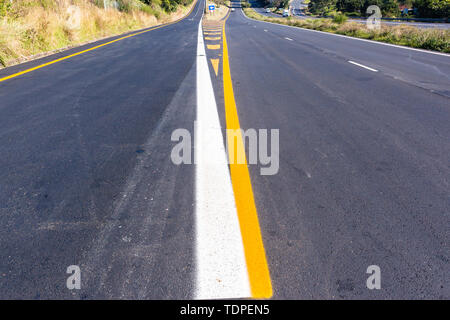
x=168 y=5
x=340 y=18
x=5 y=6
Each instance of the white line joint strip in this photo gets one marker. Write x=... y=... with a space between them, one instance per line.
x=221 y=269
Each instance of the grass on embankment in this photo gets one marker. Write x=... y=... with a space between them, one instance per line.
x=429 y=39
x=33 y=27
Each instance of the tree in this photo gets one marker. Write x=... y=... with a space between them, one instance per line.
x=390 y=8
x=349 y=5
x=168 y=5
x=280 y=3
x=432 y=8
x=5 y=6
x=322 y=7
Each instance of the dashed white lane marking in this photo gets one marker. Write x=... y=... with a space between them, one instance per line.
x=363 y=66
x=221 y=270
x=288 y=39
x=265 y=30
x=351 y=38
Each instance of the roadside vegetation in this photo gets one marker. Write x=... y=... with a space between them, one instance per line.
x=219 y=3
x=279 y=4
x=245 y=4
x=389 y=8
x=34 y=27
x=429 y=39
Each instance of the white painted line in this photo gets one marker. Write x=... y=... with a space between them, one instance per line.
x=354 y=38
x=288 y=39
x=221 y=269
x=265 y=30
x=362 y=66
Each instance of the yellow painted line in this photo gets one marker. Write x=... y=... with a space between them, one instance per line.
x=258 y=269
x=93 y=48
x=215 y=64
x=212 y=38
x=212 y=33
x=213 y=46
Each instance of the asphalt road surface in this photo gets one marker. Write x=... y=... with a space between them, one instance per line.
x=364 y=167
x=85 y=176
x=364 y=160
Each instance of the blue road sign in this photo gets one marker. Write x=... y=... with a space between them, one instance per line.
x=212 y=7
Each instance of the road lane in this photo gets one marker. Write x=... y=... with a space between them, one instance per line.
x=259 y=8
x=364 y=159
x=86 y=174
x=414 y=66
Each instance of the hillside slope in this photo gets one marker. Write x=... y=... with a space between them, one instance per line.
x=34 y=27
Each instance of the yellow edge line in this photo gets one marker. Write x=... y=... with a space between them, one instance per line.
x=93 y=48
x=258 y=269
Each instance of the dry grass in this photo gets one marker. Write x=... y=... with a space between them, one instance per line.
x=31 y=27
x=430 y=39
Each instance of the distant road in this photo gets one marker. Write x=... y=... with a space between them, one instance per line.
x=261 y=10
x=297 y=10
